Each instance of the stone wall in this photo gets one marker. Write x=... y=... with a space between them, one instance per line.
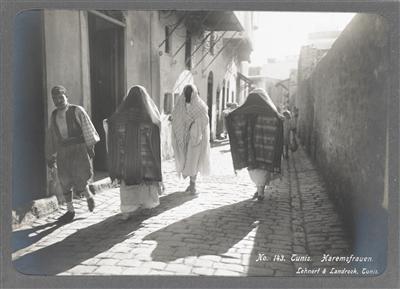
x=138 y=44
x=308 y=60
x=67 y=54
x=343 y=126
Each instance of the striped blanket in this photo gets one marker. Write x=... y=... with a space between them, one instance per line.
x=133 y=148
x=256 y=135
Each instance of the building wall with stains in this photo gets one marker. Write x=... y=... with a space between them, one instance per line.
x=343 y=121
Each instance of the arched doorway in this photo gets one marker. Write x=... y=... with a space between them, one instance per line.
x=218 y=113
x=224 y=93
x=227 y=97
x=221 y=107
x=210 y=98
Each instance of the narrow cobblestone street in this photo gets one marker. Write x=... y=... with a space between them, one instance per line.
x=221 y=231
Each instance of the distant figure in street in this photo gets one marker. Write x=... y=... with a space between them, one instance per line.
x=256 y=137
x=295 y=118
x=191 y=136
x=134 y=152
x=230 y=106
x=70 y=147
x=288 y=132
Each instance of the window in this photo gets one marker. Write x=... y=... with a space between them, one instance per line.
x=167 y=47
x=168 y=103
x=212 y=43
x=176 y=97
x=188 y=50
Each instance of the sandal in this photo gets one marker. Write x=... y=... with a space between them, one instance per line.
x=260 y=198
x=67 y=217
x=91 y=204
x=255 y=196
x=191 y=189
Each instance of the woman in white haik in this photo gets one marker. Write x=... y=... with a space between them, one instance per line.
x=191 y=136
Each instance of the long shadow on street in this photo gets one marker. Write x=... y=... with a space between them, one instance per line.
x=24 y=238
x=57 y=258
x=211 y=232
x=216 y=231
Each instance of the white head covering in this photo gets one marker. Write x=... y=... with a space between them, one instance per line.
x=183 y=116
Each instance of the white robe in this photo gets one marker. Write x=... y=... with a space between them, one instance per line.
x=198 y=151
x=191 y=137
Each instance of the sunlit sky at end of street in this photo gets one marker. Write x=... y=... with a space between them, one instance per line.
x=282 y=34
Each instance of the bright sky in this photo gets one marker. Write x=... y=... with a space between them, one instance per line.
x=282 y=34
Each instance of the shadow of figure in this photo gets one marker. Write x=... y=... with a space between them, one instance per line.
x=211 y=232
x=90 y=241
x=24 y=238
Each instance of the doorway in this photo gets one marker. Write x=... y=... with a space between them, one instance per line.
x=210 y=99
x=218 y=118
x=220 y=129
x=188 y=50
x=107 y=60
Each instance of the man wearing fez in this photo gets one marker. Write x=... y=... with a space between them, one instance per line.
x=70 y=145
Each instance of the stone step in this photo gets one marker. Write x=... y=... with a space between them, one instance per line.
x=26 y=215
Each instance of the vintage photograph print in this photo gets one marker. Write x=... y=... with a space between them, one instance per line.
x=200 y=143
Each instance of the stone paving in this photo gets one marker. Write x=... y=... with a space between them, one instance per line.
x=219 y=232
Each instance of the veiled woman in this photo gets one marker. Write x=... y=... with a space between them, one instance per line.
x=134 y=154
x=191 y=136
x=256 y=137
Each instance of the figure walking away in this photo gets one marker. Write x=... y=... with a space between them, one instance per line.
x=256 y=137
x=230 y=106
x=288 y=133
x=191 y=136
x=70 y=147
x=134 y=152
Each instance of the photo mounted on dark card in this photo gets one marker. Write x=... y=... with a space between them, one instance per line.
x=203 y=142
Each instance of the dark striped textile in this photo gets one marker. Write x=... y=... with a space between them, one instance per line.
x=134 y=152
x=256 y=135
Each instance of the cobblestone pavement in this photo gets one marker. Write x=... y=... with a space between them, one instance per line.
x=221 y=231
